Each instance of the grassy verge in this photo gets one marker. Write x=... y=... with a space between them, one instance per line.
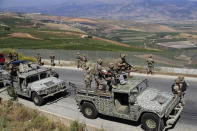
x=21 y=56
x=16 y=117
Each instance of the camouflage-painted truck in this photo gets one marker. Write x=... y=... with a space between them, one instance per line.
x=36 y=84
x=133 y=101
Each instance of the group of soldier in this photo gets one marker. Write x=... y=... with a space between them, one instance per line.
x=101 y=73
x=179 y=87
x=39 y=59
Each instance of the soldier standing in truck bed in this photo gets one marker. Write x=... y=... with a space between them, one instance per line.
x=15 y=56
x=84 y=61
x=150 y=65
x=123 y=65
x=78 y=59
x=110 y=77
x=39 y=59
x=52 y=57
x=87 y=78
x=98 y=74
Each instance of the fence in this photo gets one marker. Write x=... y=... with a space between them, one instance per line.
x=135 y=58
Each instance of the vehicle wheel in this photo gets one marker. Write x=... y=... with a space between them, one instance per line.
x=89 y=110
x=38 y=100
x=151 y=122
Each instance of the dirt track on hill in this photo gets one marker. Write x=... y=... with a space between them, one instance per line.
x=21 y=35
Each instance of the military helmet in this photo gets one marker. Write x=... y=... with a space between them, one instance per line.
x=123 y=55
x=177 y=80
x=150 y=56
x=78 y=53
x=181 y=78
x=99 y=61
x=111 y=65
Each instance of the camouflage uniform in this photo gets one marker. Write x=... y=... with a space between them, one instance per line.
x=87 y=78
x=123 y=65
x=183 y=86
x=84 y=61
x=176 y=89
x=39 y=59
x=12 y=73
x=110 y=77
x=15 y=56
x=10 y=56
x=78 y=59
x=99 y=74
x=150 y=65
x=52 y=57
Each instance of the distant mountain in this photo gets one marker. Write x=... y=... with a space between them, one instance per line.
x=116 y=9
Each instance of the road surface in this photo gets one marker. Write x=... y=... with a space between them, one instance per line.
x=66 y=105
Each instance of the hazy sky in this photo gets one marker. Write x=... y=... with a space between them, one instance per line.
x=40 y=3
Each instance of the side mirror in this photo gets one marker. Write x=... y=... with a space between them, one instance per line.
x=135 y=91
x=132 y=99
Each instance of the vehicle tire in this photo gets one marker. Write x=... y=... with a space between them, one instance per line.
x=89 y=110
x=38 y=100
x=151 y=122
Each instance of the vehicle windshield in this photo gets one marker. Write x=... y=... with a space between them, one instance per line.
x=43 y=75
x=33 y=78
x=140 y=88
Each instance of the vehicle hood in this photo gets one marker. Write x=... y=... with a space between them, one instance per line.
x=154 y=100
x=45 y=83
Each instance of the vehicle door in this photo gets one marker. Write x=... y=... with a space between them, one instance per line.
x=121 y=105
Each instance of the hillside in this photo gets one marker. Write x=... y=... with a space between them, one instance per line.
x=26 y=33
x=141 y=10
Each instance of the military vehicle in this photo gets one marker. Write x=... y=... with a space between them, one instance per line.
x=36 y=83
x=132 y=100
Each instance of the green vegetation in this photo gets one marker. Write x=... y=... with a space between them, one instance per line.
x=21 y=56
x=52 y=40
x=16 y=117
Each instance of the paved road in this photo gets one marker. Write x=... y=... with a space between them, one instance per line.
x=66 y=106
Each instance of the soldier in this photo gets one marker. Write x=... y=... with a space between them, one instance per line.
x=78 y=59
x=98 y=74
x=150 y=65
x=39 y=59
x=87 y=78
x=10 y=56
x=52 y=57
x=12 y=73
x=176 y=89
x=84 y=61
x=183 y=86
x=15 y=56
x=123 y=65
x=110 y=77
